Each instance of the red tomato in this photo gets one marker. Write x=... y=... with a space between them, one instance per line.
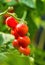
x=24 y=41
x=14 y=32
x=25 y=51
x=11 y=22
x=22 y=29
x=15 y=43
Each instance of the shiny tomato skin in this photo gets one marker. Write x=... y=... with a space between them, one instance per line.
x=24 y=41
x=14 y=32
x=25 y=51
x=11 y=22
x=15 y=43
x=22 y=29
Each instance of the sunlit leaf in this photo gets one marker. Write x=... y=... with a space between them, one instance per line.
x=29 y=3
x=4 y=38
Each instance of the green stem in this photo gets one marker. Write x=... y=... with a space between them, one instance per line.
x=14 y=15
x=3 y=12
x=24 y=15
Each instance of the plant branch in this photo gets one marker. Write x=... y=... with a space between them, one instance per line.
x=24 y=15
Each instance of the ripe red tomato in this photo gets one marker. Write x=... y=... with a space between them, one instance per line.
x=25 y=51
x=14 y=32
x=24 y=41
x=22 y=29
x=11 y=22
x=15 y=43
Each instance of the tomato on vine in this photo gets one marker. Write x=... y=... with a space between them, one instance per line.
x=24 y=41
x=25 y=51
x=14 y=32
x=11 y=22
x=22 y=29
x=15 y=43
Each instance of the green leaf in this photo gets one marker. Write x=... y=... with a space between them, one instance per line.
x=39 y=57
x=5 y=38
x=15 y=58
x=11 y=2
x=3 y=58
x=31 y=25
x=29 y=3
x=18 y=60
x=40 y=7
x=20 y=8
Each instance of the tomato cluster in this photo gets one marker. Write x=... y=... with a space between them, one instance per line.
x=19 y=30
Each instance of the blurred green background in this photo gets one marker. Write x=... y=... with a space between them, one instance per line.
x=35 y=19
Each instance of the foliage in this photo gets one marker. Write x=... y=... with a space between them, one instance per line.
x=34 y=10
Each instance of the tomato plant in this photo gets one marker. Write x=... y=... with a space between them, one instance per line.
x=22 y=32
